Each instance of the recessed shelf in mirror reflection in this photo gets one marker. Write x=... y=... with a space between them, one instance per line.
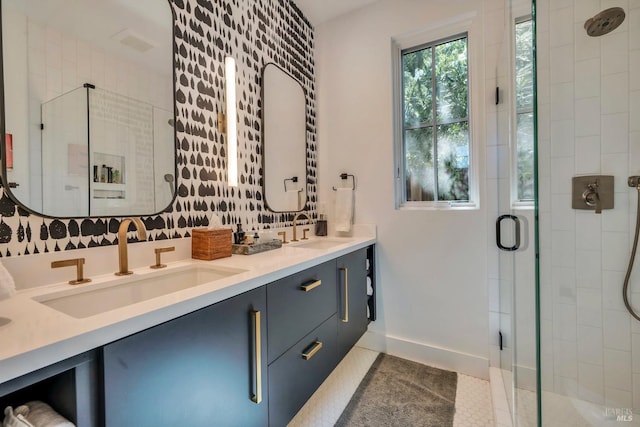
x=89 y=100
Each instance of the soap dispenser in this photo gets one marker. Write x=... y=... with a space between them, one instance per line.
x=238 y=236
x=321 y=226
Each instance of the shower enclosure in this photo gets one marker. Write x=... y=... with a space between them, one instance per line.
x=570 y=347
x=102 y=155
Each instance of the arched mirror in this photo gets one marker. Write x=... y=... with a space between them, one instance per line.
x=284 y=139
x=88 y=106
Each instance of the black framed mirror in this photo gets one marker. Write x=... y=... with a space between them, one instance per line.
x=88 y=107
x=284 y=140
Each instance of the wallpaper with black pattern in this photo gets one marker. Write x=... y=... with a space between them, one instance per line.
x=254 y=33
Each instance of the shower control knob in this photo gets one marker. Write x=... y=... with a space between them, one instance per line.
x=592 y=198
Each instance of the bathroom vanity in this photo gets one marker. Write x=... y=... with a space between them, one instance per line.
x=247 y=350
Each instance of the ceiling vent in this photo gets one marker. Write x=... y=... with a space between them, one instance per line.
x=133 y=41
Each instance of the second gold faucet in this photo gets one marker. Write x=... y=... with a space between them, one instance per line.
x=123 y=256
x=295 y=225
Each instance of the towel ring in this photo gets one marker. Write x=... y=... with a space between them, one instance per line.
x=344 y=177
x=293 y=179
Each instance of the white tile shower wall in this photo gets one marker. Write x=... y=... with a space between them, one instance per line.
x=589 y=86
x=121 y=127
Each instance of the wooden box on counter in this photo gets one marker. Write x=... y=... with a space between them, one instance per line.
x=208 y=244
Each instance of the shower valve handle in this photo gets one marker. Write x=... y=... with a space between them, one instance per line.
x=592 y=197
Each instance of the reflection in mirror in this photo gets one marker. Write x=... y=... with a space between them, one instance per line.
x=284 y=139
x=88 y=104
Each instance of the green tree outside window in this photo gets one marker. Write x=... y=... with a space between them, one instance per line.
x=524 y=109
x=435 y=87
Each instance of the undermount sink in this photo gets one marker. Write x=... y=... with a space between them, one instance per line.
x=91 y=300
x=320 y=244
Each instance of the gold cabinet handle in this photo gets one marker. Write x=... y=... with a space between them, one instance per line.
x=257 y=357
x=311 y=285
x=312 y=350
x=345 y=318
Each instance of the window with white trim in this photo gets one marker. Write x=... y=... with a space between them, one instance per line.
x=524 y=109
x=435 y=165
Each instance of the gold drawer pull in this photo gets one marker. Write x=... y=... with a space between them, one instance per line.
x=257 y=357
x=345 y=301
x=311 y=285
x=315 y=347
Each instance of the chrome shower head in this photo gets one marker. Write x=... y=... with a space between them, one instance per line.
x=605 y=22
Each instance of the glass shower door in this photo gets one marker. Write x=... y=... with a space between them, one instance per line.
x=516 y=215
x=65 y=174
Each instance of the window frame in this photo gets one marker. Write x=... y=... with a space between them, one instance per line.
x=516 y=201
x=448 y=30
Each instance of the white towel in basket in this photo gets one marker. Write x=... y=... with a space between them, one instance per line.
x=42 y=415
x=13 y=420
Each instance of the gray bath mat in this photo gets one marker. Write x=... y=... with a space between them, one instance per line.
x=401 y=393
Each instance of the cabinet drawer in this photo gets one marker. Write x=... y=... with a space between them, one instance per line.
x=293 y=379
x=294 y=312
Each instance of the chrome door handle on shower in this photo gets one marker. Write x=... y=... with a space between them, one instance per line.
x=516 y=222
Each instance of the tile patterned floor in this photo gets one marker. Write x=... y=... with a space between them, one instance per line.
x=473 y=403
x=473 y=397
x=563 y=411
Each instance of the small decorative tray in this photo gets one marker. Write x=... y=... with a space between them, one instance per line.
x=256 y=248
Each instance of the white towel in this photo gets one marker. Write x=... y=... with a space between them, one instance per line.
x=369 y=286
x=42 y=415
x=13 y=420
x=344 y=209
x=7 y=285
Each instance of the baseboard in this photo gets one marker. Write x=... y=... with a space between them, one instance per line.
x=429 y=355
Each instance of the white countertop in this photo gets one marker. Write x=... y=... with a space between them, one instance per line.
x=38 y=335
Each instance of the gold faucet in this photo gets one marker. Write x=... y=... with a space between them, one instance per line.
x=78 y=263
x=123 y=258
x=295 y=220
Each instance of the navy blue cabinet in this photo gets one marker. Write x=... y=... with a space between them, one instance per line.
x=207 y=368
x=70 y=387
x=296 y=374
x=352 y=299
x=325 y=321
x=298 y=304
x=214 y=367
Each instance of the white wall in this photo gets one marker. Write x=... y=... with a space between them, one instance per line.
x=432 y=278
x=17 y=111
x=589 y=123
